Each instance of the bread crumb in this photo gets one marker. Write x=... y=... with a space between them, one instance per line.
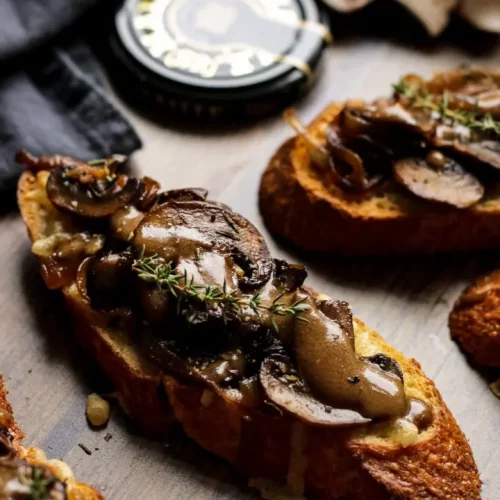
x=97 y=410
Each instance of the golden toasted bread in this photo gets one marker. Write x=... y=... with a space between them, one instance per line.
x=475 y=320
x=378 y=461
x=28 y=471
x=304 y=203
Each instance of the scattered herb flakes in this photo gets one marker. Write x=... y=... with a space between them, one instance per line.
x=85 y=449
x=108 y=437
x=353 y=380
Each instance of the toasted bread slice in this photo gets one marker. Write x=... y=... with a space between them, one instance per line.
x=301 y=203
x=475 y=320
x=389 y=460
x=22 y=457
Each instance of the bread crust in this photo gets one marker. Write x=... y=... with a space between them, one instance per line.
x=36 y=457
x=475 y=320
x=326 y=464
x=301 y=203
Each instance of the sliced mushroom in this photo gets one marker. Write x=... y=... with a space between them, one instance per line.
x=438 y=178
x=205 y=234
x=148 y=193
x=284 y=387
x=340 y=312
x=417 y=120
x=485 y=152
x=289 y=276
x=124 y=222
x=89 y=200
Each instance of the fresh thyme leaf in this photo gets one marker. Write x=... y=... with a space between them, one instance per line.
x=473 y=119
x=153 y=270
x=37 y=482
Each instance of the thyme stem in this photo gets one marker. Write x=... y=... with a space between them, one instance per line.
x=154 y=270
x=473 y=119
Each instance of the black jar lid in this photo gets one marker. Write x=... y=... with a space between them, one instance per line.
x=218 y=57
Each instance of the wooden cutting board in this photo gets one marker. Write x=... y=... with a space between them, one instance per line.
x=405 y=299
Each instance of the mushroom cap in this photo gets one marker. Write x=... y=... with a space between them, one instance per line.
x=449 y=183
x=285 y=389
x=84 y=200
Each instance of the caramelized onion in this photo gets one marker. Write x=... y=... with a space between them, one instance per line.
x=319 y=154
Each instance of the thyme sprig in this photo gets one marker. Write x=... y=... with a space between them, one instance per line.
x=37 y=482
x=155 y=270
x=472 y=119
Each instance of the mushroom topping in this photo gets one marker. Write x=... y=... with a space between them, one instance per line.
x=284 y=387
x=438 y=178
x=124 y=222
x=456 y=113
x=354 y=383
x=88 y=191
x=485 y=152
x=208 y=242
x=195 y=285
x=148 y=193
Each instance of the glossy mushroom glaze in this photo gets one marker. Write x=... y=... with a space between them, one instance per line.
x=438 y=139
x=195 y=286
x=20 y=480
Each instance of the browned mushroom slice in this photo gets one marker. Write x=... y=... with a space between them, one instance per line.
x=417 y=120
x=284 y=387
x=93 y=200
x=177 y=231
x=148 y=193
x=439 y=179
x=485 y=152
x=289 y=276
x=352 y=156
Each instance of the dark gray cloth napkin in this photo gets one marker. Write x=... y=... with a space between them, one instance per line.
x=52 y=98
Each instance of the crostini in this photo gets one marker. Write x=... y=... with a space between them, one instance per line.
x=180 y=301
x=417 y=172
x=26 y=473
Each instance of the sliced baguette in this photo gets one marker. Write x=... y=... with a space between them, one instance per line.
x=299 y=201
x=475 y=320
x=37 y=458
x=391 y=460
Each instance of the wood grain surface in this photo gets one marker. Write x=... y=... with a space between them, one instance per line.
x=405 y=299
